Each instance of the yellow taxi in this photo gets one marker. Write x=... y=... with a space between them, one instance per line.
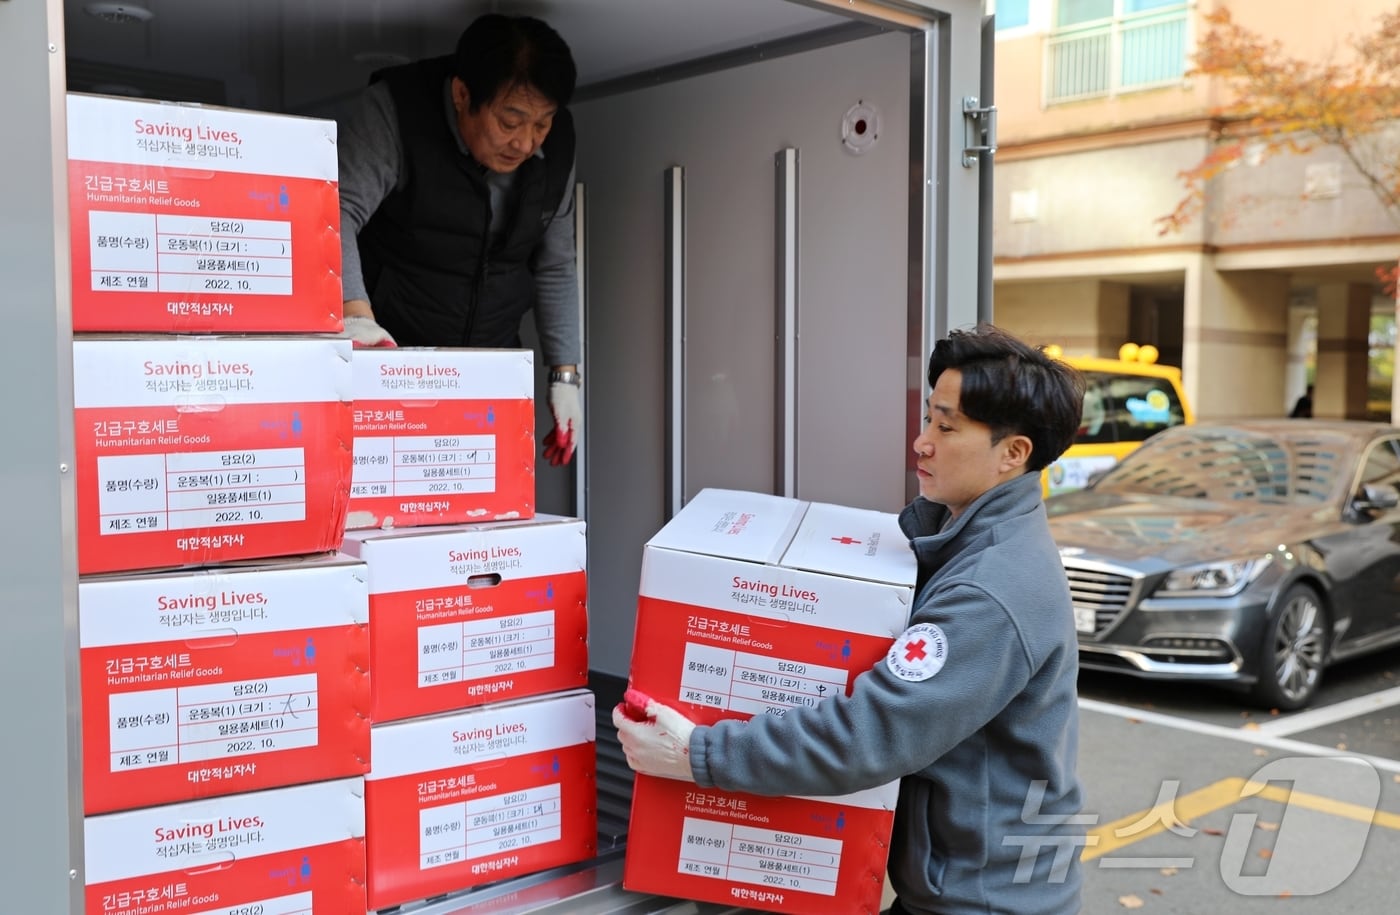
x=1126 y=401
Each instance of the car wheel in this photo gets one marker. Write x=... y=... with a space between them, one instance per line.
x=1294 y=651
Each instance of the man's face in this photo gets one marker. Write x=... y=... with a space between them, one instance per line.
x=504 y=132
x=956 y=458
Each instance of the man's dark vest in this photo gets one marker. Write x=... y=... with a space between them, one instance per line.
x=430 y=278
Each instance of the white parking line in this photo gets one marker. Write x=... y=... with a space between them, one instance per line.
x=1330 y=714
x=1254 y=737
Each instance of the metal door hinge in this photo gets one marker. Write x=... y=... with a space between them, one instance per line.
x=979 y=130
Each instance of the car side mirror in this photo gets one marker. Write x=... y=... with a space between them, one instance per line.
x=1376 y=498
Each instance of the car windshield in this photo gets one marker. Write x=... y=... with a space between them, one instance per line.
x=1224 y=464
x=1127 y=408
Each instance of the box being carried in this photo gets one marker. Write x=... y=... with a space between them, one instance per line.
x=472 y=614
x=200 y=450
x=442 y=436
x=222 y=681
x=754 y=604
x=290 y=851
x=190 y=219
x=454 y=801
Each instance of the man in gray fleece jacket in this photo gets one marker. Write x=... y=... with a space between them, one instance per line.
x=974 y=708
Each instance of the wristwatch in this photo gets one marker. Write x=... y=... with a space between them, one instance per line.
x=566 y=377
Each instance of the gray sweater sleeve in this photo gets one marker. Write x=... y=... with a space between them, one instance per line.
x=368 y=152
x=888 y=727
x=555 y=268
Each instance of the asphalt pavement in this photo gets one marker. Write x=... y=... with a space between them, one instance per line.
x=1198 y=803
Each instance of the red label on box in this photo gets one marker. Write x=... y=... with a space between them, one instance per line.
x=192 y=451
x=468 y=615
x=294 y=851
x=199 y=219
x=456 y=801
x=442 y=436
x=715 y=665
x=782 y=854
x=820 y=856
x=431 y=653
x=204 y=684
x=443 y=463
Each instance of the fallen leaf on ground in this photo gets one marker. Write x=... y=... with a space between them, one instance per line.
x=1168 y=872
x=1260 y=751
x=1213 y=832
x=1341 y=746
x=1130 y=901
x=1265 y=853
x=1267 y=827
x=1250 y=726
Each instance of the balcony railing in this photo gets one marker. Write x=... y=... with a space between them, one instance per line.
x=1109 y=56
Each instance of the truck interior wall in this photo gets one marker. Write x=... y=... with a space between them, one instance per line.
x=725 y=129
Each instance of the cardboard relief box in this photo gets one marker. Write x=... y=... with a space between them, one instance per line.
x=199 y=450
x=288 y=851
x=442 y=436
x=473 y=797
x=222 y=681
x=752 y=604
x=469 y=614
x=192 y=219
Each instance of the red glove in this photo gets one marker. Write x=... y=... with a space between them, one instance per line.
x=561 y=441
x=655 y=737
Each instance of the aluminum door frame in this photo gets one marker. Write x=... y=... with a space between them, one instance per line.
x=41 y=864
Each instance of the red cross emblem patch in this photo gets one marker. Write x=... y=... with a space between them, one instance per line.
x=919 y=653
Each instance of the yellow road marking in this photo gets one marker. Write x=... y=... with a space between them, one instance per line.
x=1182 y=810
x=1327 y=805
x=1229 y=791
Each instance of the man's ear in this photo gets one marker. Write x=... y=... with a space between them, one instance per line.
x=1016 y=453
x=461 y=98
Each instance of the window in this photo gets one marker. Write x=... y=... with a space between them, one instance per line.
x=1013 y=14
x=1382 y=467
x=1104 y=47
x=1074 y=12
x=1127 y=408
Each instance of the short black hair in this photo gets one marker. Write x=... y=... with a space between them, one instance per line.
x=1014 y=388
x=498 y=53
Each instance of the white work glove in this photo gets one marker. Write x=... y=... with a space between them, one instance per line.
x=655 y=737
x=366 y=333
x=561 y=441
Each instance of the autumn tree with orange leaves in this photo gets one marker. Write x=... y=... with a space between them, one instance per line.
x=1285 y=105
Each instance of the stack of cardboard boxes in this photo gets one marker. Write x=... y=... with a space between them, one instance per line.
x=268 y=721
x=483 y=736
x=224 y=645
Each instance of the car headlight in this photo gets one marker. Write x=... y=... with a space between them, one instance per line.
x=1212 y=579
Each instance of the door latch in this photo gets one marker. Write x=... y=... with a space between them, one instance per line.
x=979 y=130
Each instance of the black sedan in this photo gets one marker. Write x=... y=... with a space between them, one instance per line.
x=1253 y=554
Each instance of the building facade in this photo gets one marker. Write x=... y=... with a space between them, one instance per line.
x=1274 y=284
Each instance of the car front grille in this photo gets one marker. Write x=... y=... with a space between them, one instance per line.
x=1106 y=593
